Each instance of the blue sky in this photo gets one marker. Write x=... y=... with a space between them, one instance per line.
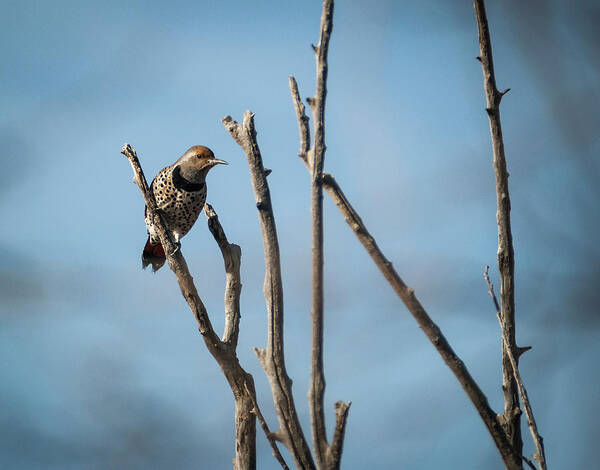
x=102 y=364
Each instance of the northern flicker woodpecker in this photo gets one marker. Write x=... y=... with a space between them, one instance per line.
x=180 y=194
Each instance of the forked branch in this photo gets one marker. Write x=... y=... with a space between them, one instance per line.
x=232 y=255
x=317 y=375
x=272 y=357
x=407 y=295
x=241 y=383
x=327 y=456
x=511 y=419
x=540 y=455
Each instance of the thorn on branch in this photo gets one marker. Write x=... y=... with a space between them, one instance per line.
x=267 y=171
x=500 y=95
x=522 y=350
x=311 y=101
x=314 y=48
x=478 y=58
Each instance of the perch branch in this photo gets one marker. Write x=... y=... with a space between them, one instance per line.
x=511 y=419
x=406 y=294
x=175 y=257
x=272 y=357
x=540 y=455
x=223 y=352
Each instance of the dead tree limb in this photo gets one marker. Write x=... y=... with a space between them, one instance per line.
x=407 y=295
x=241 y=382
x=316 y=393
x=272 y=357
x=511 y=419
x=267 y=431
x=232 y=255
x=540 y=455
x=327 y=456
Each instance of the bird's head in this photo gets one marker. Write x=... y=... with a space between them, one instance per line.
x=196 y=162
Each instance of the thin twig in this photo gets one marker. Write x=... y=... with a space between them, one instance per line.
x=223 y=352
x=272 y=357
x=303 y=127
x=317 y=376
x=512 y=413
x=540 y=456
x=406 y=294
x=266 y=430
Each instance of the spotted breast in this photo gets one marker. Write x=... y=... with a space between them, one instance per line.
x=180 y=193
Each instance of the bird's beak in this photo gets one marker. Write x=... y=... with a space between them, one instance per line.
x=217 y=161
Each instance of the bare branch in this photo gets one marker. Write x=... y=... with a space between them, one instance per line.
x=223 y=352
x=232 y=257
x=272 y=358
x=317 y=376
x=406 y=294
x=334 y=452
x=512 y=413
x=431 y=330
x=486 y=277
x=540 y=455
x=174 y=255
x=265 y=427
x=302 y=121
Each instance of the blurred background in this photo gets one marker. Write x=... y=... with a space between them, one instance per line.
x=102 y=364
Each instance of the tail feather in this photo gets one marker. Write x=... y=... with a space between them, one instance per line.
x=153 y=255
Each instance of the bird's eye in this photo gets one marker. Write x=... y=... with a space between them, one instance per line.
x=199 y=156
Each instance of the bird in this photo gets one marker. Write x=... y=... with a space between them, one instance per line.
x=180 y=193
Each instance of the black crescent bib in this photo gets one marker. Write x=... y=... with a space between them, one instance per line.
x=182 y=184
